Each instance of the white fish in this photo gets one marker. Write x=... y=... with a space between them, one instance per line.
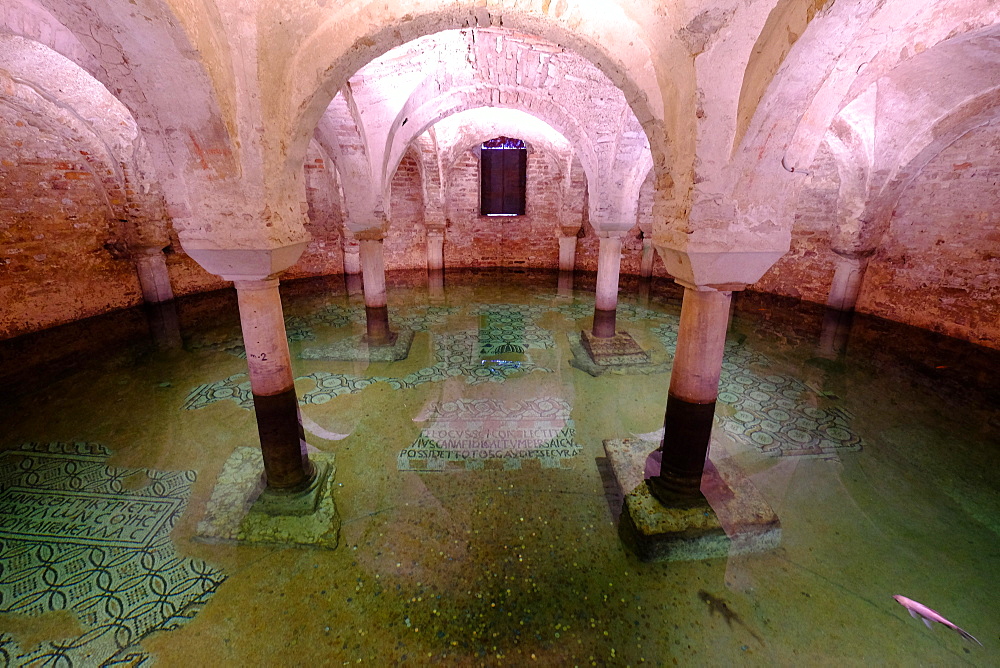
x=921 y=611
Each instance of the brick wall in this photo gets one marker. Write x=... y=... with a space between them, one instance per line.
x=324 y=220
x=59 y=254
x=939 y=264
x=531 y=240
x=405 y=245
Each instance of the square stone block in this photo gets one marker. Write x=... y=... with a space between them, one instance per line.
x=732 y=518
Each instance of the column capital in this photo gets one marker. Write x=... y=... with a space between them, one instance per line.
x=376 y=234
x=244 y=264
x=719 y=270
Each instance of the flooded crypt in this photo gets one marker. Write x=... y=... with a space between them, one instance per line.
x=499 y=333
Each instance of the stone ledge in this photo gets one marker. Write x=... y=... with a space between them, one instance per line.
x=732 y=518
x=357 y=349
x=628 y=364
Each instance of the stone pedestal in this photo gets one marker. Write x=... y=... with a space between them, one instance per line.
x=729 y=517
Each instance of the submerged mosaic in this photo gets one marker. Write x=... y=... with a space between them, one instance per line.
x=74 y=537
x=470 y=434
x=775 y=413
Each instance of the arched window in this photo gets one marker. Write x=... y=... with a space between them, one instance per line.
x=503 y=170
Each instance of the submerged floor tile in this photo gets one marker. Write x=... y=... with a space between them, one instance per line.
x=74 y=536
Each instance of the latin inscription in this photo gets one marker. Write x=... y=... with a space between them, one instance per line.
x=469 y=433
x=87 y=518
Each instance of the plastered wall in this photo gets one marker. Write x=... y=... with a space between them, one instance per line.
x=938 y=265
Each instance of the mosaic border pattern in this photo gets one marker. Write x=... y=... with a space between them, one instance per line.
x=120 y=593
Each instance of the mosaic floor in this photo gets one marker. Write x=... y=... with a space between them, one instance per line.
x=475 y=515
x=74 y=537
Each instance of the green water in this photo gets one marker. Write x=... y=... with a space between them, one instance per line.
x=478 y=509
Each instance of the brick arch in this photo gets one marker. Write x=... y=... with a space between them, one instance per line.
x=131 y=54
x=596 y=40
x=474 y=97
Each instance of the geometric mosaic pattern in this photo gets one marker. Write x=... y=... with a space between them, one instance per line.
x=775 y=413
x=472 y=434
x=73 y=537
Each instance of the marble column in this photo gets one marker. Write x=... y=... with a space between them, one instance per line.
x=435 y=250
x=376 y=305
x=606 y=302
x=151 y=266
x=287 y=468
x=694 y=386
x=567 y=253
x=847 y=280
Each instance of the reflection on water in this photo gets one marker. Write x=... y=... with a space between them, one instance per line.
x=478 y=517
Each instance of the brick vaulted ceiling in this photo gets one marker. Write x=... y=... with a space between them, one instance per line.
x=807 y=129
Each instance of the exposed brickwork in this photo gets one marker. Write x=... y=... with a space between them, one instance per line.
x=406 y=244
x=531 y=240
x=939 y=264
x=324 y=220
x=61 y=259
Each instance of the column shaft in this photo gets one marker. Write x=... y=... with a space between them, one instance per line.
x=286 y=466
x=694 y=386
x=151 y=267
x=606 y=301
x=567 y=253
x=376 y=309
x=435 y=252
x=847 y=281
x=648 y=253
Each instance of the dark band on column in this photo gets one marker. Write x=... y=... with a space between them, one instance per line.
x=604 y=323
x=687 y=433
x=286 y=465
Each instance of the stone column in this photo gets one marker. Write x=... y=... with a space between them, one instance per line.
x=694 y=386
x=352 y=260
x=648 y=253
x=151 y=266
x=847 y=280
x=376 y=306
x=286 y=466
x=567 y=252
x=435 y=250
x=606 y=303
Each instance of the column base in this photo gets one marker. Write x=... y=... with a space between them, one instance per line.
x=620 y=355
x=241 y=510
x=605 y=323
x=729 y=516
